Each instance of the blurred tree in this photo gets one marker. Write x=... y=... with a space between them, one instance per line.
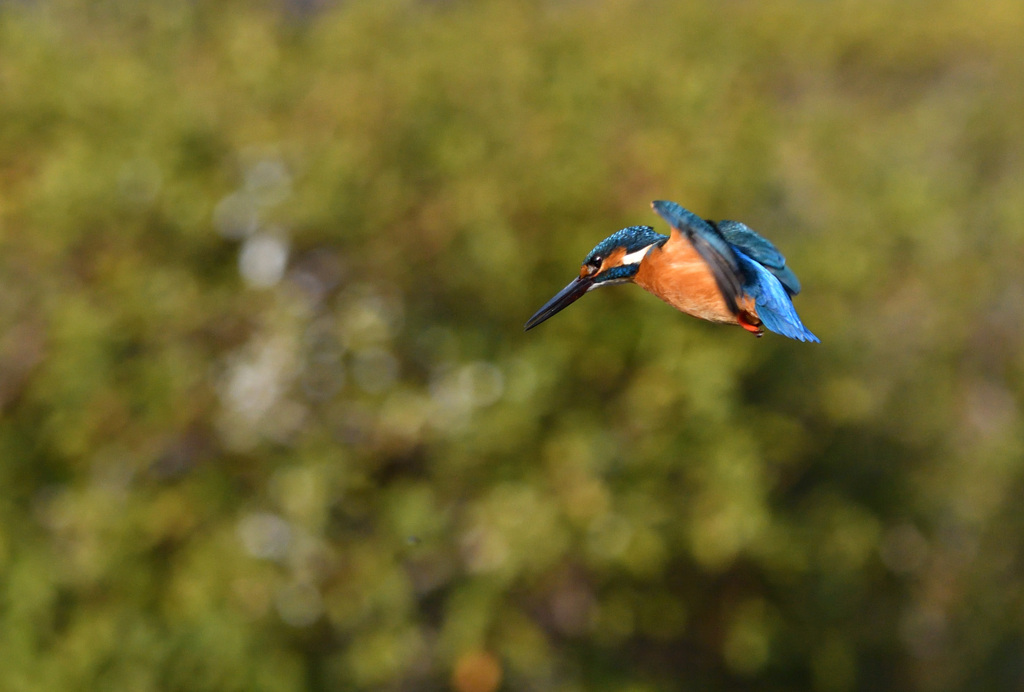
x=269 y=420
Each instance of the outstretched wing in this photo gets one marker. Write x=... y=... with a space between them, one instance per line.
x=758 y=248
x=771 y=299
x=711 y=245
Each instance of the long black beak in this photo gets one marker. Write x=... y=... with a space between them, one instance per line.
x=563 y=299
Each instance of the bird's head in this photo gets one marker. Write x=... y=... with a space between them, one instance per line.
x=614 y=260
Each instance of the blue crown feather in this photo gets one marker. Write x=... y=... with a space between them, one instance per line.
x=632 y=238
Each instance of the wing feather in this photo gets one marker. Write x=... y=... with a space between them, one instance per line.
x=761 y=250
x=711 y=245
x=774 y=306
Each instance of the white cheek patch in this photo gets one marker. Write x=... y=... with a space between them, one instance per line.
x=635 y=257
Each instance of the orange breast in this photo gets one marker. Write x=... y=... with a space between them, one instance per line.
x=677 y=274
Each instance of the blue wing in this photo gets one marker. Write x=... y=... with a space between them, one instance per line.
x=760 y=249
x=771 y=297
x=711 y=245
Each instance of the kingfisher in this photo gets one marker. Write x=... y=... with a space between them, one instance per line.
x=721 y=272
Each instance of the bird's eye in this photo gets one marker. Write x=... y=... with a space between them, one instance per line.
x=591 y=266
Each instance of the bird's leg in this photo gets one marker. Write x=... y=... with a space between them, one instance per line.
x=750 y=323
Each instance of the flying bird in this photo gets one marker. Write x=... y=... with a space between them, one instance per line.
x=717 y=271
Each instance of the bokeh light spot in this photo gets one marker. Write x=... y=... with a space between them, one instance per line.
x=262 y=260
x=265 y=535
x=268 y=181
x=477 y=671
x=236 y=216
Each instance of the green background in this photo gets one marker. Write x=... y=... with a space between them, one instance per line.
x=269 y=421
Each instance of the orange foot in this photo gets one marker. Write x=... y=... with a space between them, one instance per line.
x=750 y=323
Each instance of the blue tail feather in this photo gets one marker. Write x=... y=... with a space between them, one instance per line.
x=773 y=304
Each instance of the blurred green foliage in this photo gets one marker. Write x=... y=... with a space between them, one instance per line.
x=269 y=420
